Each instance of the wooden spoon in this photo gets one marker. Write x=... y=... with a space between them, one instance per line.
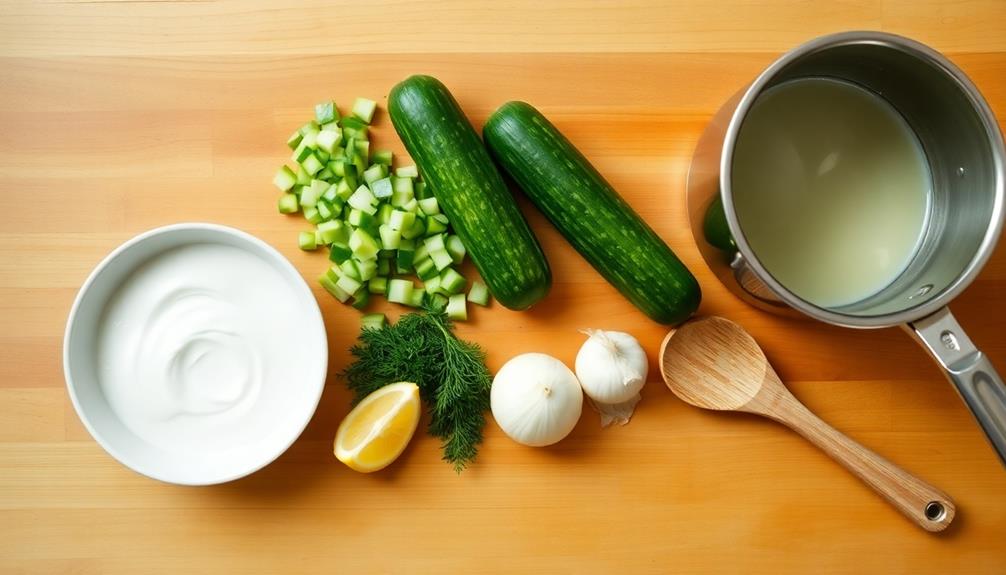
x=713 y=363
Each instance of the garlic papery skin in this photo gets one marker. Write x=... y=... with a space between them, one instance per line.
x=611 y=366
x=536 y=399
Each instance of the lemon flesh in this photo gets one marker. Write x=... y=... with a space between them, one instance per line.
x=376 y=432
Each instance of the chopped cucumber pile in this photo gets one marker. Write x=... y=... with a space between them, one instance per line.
x=381 y=225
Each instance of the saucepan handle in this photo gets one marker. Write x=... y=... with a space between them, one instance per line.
x=970 y=371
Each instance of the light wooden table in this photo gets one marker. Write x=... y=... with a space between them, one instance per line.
x=120 y=116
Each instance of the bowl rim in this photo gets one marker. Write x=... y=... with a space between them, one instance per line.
x=253 y=245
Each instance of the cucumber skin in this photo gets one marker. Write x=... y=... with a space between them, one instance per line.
x=590 y=213
x=470 y=190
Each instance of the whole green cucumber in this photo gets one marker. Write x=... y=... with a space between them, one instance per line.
x=590 y=214
x=470 y=190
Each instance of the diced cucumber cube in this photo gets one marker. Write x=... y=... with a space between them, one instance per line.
x=323 y=157
x=333 y=231
x=404 y=259
x=382 y=157
x=432 y=285
x=285 y=179
x=359 y=162
x=436 y=224
x=343 y=191
x=361 y=298
x=422 y=191
x=329 y=140
x=338 y=166
x=411 y=206
x=354 y=128
x=362 y=199
x=317 y=238
x=373 y=320
x=422 y=252
x=311 y=194
x=348 y=284
x=384 y=212
x=331 y=195
x=456 y=248
x=350 y=269
x=415 y=230
x=367 y=269
x=363 y=245
x=312 y=215
x=324 y=210
x=435 y=243
x=378 y=285
x=308 y=127
x=452 y=281
x=383 y=266
x=360 y=219
x=426 y=269
x=403 y=185
x=294 y=140
x=407 y=172
x=441 y=258
x=479 y=293
x=364 y=109
x=288 y=204
x=311 y=164
x=438 y=301
x=331 y=126
x=381 y=188
x=400 y=199
x=400 y=291
x=457 y=307
x=326 y=112
x=401 y=221
x=416 y=299
x=429 y=206
x=333 y=288
x=350 y=176
x=334 y=273
x=303 y=178
x=306 y=241
x=361 y=148
x=390 y=239
x=374 y=173
x=310 y=140
x=300 y=153
x=339 y=252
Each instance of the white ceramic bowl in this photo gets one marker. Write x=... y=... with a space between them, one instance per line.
x=80 y=359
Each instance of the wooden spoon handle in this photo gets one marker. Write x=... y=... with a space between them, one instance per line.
x=924 y=504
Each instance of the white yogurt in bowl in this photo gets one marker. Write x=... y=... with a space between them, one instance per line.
x=195 y=354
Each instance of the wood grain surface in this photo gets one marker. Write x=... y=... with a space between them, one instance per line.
x=119 y=116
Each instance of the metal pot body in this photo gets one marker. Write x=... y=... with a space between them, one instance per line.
x=964 y=149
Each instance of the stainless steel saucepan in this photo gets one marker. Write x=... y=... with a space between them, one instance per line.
x=964 y=149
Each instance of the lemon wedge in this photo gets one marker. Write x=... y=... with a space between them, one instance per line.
x=376 y=432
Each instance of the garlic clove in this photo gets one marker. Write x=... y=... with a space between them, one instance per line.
x=619 y=413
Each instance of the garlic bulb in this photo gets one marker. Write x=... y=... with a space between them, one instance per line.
x=536 y=399
x=612 y=369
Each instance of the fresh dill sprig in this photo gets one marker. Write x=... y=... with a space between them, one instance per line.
x=451 y=374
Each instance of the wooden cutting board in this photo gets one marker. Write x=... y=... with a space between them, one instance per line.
x=121 y=116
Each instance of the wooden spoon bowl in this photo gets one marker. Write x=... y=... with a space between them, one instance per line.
x=713 y=363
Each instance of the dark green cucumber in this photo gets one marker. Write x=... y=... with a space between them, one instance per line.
x=590 y=214
x=470 y=190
